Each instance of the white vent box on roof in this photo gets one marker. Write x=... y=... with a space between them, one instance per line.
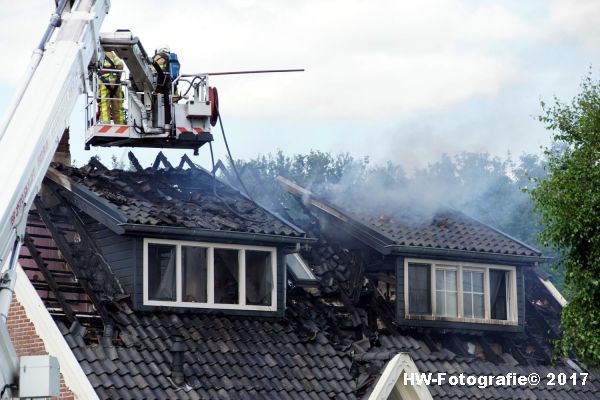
x=39 y=376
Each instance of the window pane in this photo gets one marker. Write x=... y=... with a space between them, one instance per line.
x=446 y=293
x=419 y=289
x=298 y=268
x=451 y=304
x=473 y=294
x=439 y=303
x=477 y=281
x=194 y=264
x=259 y=278
x=161 y=272
x=439 y=279
x=468 y=305
x=450 y=280
x=227 y=272
x=498 y=294
x=467 y=281
x=478 y=306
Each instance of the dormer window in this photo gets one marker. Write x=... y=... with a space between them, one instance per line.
x=209 y=275
x=461 y=292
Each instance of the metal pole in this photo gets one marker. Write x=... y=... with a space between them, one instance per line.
x=262 y=71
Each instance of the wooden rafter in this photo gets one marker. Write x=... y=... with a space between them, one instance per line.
x=65 y=249
x=35 y=255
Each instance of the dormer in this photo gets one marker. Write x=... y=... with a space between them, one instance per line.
x=177 y=238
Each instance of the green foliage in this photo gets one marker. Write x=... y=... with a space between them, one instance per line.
x=568 y=200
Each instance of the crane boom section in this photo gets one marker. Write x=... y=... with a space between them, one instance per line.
x=42 y=114
x=29 y=137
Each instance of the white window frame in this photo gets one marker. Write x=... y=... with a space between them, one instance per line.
x=445 y=290
x=485 y=276
x=210 y=304
x=511 y=298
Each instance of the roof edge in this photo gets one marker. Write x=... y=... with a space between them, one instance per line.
x=212 y=233
x=98 y=208
x=469 y=254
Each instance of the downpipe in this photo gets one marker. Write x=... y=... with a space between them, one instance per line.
x=7 y=282
x=10 y=366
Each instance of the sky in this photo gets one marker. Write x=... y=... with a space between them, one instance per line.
x=394 y=80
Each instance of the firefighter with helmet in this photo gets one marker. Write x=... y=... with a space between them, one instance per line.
x=162 y=57
x=166 y=68
x=111 y=93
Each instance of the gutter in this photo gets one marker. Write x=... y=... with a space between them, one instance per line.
x=212 y=234
x=464 y=254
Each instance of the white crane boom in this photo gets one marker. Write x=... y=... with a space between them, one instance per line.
x=30 y=134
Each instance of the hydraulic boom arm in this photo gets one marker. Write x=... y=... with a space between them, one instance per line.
x=30 y=134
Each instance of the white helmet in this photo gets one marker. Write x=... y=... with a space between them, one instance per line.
x=164 y=48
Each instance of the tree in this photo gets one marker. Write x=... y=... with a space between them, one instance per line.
x=568 y=200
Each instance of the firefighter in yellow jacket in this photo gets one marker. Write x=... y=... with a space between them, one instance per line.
x=111 y=93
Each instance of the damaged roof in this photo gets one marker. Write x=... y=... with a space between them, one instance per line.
x=333 y=342
x=327 y=346
x=176 y=197
x=448 y=231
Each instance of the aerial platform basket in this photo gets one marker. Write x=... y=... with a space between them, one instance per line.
x=156 y=115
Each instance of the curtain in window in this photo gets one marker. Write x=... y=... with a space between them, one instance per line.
x=259 y=278
x=194 y=264
x=498 y=295
x=166 y=287
x=226 y=271
x=419 y=289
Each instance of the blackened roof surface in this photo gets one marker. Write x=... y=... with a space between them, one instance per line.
x=178 y=197
x=332 y=343
x=450 y=230
x=321 y=350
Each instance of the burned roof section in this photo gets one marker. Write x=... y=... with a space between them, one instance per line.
x=322 y=349
x=449 y=231
x=177 y=197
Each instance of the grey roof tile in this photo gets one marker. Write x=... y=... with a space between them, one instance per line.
x=307 y=354
x=449 y=230
x=179 y=197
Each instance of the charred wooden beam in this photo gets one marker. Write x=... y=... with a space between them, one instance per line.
x=134 y=161
x=161 y=158
x=185 y=159
x=86 y=238
x=65 y=249
x=50 y=281
x=219 y=166
x=95 y=162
